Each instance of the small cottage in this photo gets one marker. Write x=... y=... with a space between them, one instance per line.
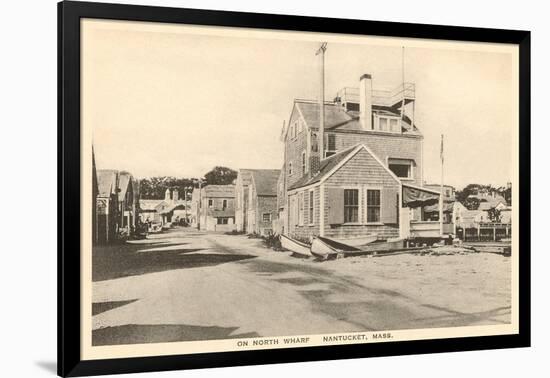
x=262 y=201
x=216 y=208
x=107 y=207
x=168 y=210
x=128 y=202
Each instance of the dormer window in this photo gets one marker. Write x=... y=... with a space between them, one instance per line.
x=388 y=124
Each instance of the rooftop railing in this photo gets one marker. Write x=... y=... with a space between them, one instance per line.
x=405 y=91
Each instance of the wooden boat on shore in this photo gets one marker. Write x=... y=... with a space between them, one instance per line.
x=295 y=246
x=324 y=248
x=388 y=245
x=358 y=241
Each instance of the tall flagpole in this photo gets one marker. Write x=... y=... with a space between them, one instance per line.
x=441 y=191
x=321 y=143
x=403 y=81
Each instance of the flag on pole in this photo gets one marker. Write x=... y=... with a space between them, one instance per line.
x=441 y=152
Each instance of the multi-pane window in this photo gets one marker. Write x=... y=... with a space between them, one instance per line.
x=224 y=204
x=266 y=217
x=222 y=220
x=351 y=205
x=373 y=205
x=290 y=168
x=210 y=203
x=311 y=207
x=304 y=165
x=389 y=124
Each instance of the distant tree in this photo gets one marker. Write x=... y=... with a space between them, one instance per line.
x=462 y=195
x=507 y=194
x=471 y=203
x=494 y=215
x=220 y=176
x=155 y=187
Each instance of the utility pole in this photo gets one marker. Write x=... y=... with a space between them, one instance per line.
x=321 y=54
x=185 y=189
x=199 y=206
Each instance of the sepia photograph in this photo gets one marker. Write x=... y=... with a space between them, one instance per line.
x=253 y=189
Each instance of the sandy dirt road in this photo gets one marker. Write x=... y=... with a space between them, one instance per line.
x=189 y=285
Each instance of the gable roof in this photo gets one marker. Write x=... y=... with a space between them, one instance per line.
x=124 y=181
x=149 y=204
x=487 y=201
x=265 y=181
x=331 y=164
x=219 y=191
x=172 y=207
x=337 y=117
x=485 y=206
x=106 y=182
x=326 y=165
x=334 y=114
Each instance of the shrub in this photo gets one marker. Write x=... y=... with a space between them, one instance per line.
x=255 y=235
x=235 y=232
x=273 y=241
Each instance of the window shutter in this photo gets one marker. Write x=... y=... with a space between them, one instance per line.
x=389 y=205
x=335 y=205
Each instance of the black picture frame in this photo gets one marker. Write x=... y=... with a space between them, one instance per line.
x=69 y=357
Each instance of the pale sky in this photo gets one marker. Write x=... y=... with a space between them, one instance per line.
x=172 y=103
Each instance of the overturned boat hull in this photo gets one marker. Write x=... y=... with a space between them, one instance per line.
x=324 y=248
x=295 y=246
x=388 y=245
x=357 y=242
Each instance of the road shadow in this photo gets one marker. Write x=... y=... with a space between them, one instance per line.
x=127 y=262
x=162 y=333
x=99 y=307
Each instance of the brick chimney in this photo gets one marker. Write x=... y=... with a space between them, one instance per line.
x=175 y=195
x=365 y=101
x=167 y=195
